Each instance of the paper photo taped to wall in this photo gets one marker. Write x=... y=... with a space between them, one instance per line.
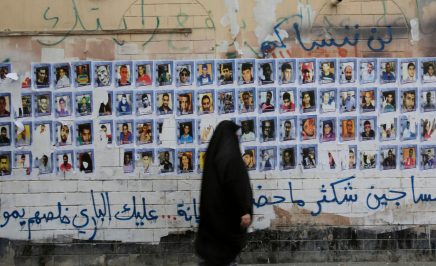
x=62 y=75
x=44 y=163
x=63 y=104
x=327 y=100
x=5 y=68
x=83 y=103
x=428 y=73
x=347 y=71
x=205 y=102
x=226 y=101
x=246 y=71
x=144 y=160
x=347 y=100
x=287 y=100
x=5 y=163
x=248 y=128
x=105 y=102
x=329 y=158
x=85 y=161
x=103 y=73
x=368 y=70
x=144 y=131
x=201 y=156
x=368 y=100
x=123 y=73
x=327 y=129
x=267 y=158
x=163 y=72
x=82 y=73
x=408 y=99
x=43 y=103
x=143 y=73
x=128 y=161
x=387 y=128
x=368 y=158
x=249 y=157
x=124 y=129
x=388 y=157
x=388 y=70
x=165 y=158
x=41 y=76
x=327 y=71
x=23 y=136
x=185 y=162
x=226 y=71
x=63 y=133
x=427 y=157
x=185 y=102
x=164 y=102
x=428 y=126
x=84 y=132
x=408 y=156
x=23 y=162
x=308 y=127
x=388 y=100
x=288 y=128
x=266 y=99
x=287 y=157
x=5 y=105
x=308 y=100
x=205 y=72
x=25 y=110
x=306 y=71
x=106 y=130
x=428 y=99
x=184 y=73
x=206 y=127
x=368 y=128
x=408 y=127
x=347 y=128
x=266 y=71
x=309 y=156
x=185 y=131
x=43 y=133
x=351 y=158
x=5 y=134
x=286 y=71
x=246 y=100
x=64 y=161
x=408 y=70
x=123 y=102
x=267 y=129
x=144 y=102
x=159 y=129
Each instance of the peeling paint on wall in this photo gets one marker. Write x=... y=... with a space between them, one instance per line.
x=264 y=13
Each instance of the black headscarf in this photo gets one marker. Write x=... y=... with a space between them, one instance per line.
x=225 y=197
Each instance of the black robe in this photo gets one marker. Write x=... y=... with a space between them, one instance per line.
x=226 y=196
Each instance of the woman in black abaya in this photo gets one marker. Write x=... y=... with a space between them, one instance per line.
x=225 y=200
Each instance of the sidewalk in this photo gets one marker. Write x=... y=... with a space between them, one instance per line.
x=416 y=263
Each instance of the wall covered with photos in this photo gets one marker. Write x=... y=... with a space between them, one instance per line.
x=105 y=120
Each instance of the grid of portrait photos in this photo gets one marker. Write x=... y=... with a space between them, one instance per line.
x=293 y=114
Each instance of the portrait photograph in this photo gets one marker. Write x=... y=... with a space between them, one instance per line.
x=42 y=134
x=388 y=157
x=287 y=100
x=249 y=157
x=166 y=160
x=185 y=161
x=43 y=104
x=288 y=157
x=328 y=129
x=123 y=103
x=408 y=157
x=5 y=163
x=327 y=71
x=351 y=158
x=144 y=132
x=246 y=71
x=408 y=100
x=145 y=160
x=347 y=71
x=85 y=161
x=184 y=73
x=5 y=105
x=428 y=99
x=246 y=100
x=267 y=158
x=64 y=161
x=226 y=72
x=143 y=73
x=205 y=75
x=22 y=162
x=106 y=130
x=309 y=156
x=123 y=73
x=144 y=102
x=408 y=127
x=265 y=71
x=185 y=102
x=348 y=101
x=307 y=100
x=428 y=74
x=327 y=100
x=82 y=73
x=307 y=72
x=248 y=128
x=128 y=161
x=84 y=133
x=63 y=134
x=62 y=75
x=5 y=68
x=5 y=134
x=124 y=130
x=388 y=100
x=163 y=73
x=388 y=71
x=41 y=76
x=205 y=102
x=427 y=157
x=368 y=69
x=185 y=131
x=164 y=102
x=288 y=128
x=83 y=103
x=286 y=71
x=25 y=109
x=368 y=100
x=308 y=127
x=408 y=70
x=44 y=163
x=63 y=104
x=267 y=100
x=348 y=128
x=103 y=73
x=267 y=129
x=367 y=127
x=226 y=101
